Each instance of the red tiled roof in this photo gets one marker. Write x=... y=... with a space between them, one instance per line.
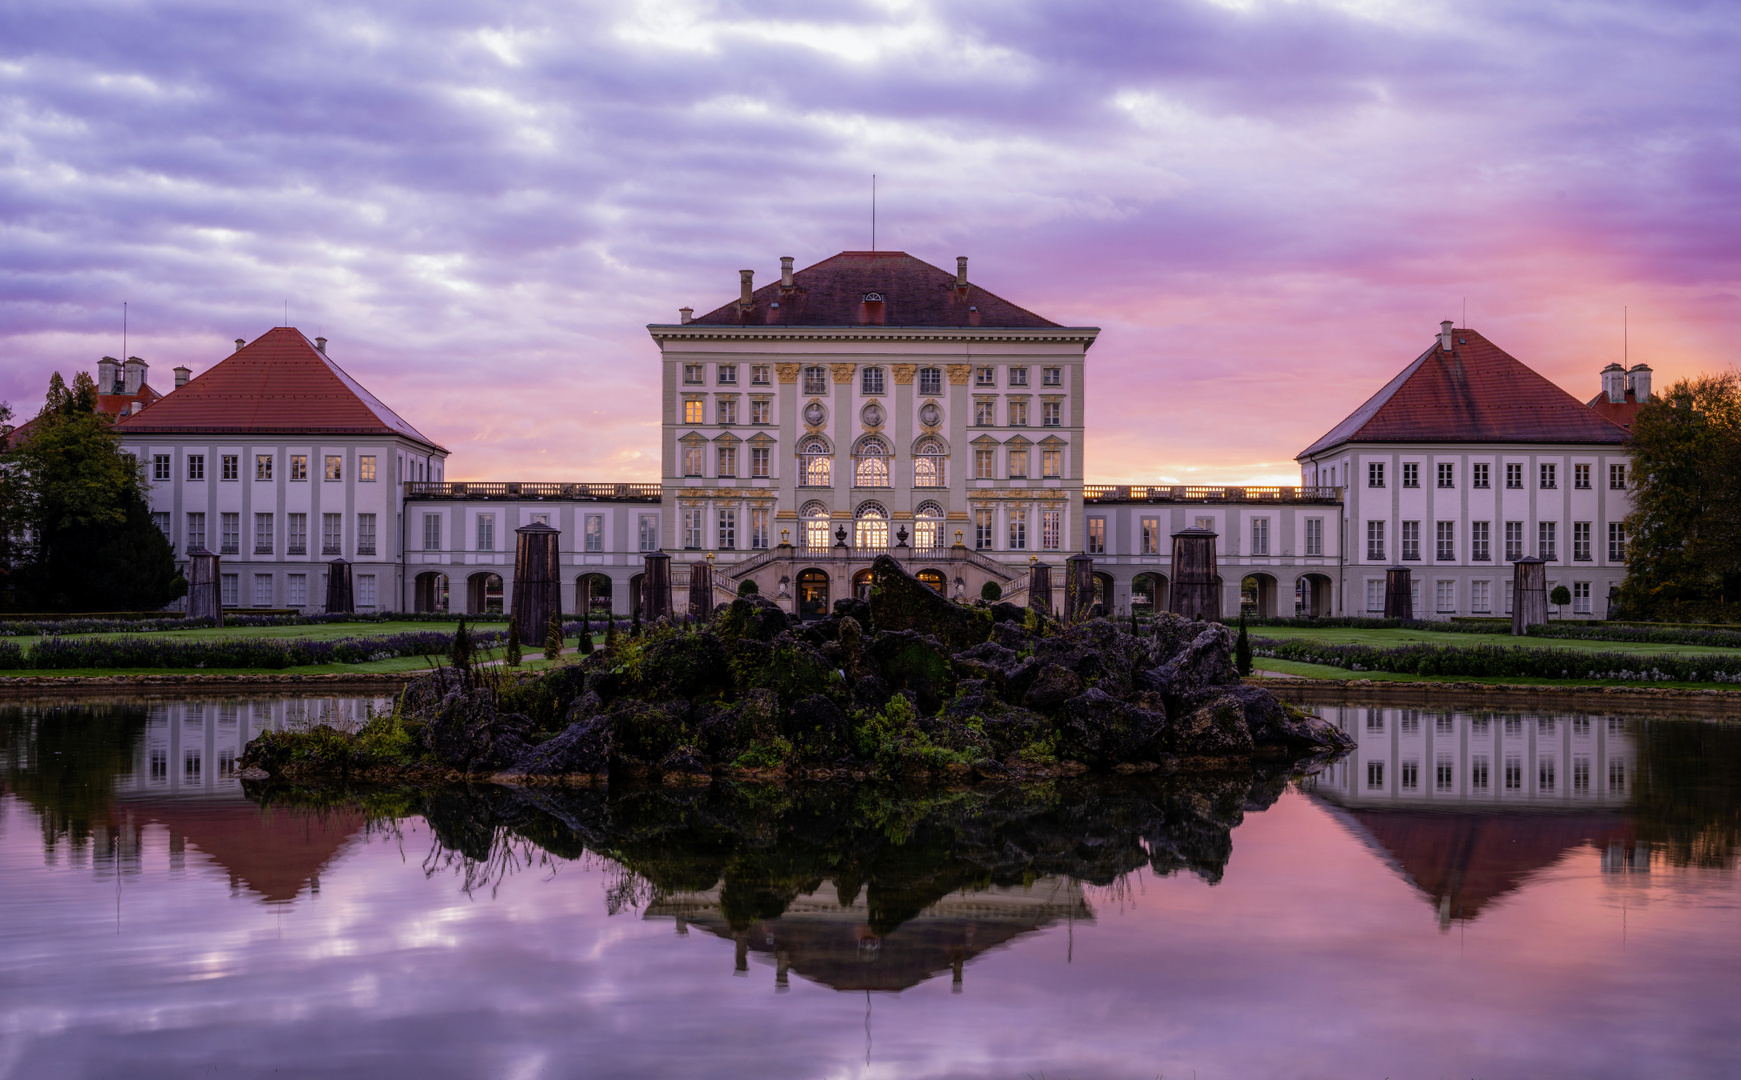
x=278 y=383
x=1475 y=393
x=833 y=292
x=1617 y=412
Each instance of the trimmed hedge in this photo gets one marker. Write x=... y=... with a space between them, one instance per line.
x=268 y=653
x=234 y=618
x=1569 y=629
x=1487 y=661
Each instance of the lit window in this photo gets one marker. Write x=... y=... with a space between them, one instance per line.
x=814 y=464
x=299 y=466
x=871 y=467
x=262 y=466
x=1096 y=536
x=366 y=468
x=695 y=411
x=334 y=467
x=928 y=464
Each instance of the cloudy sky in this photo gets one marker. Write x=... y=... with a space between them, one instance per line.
x=1268 y=206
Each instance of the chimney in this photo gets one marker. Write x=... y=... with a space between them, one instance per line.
x=1614 y=383
x=1638 y=381
x=108 y=375
x=961 y=271
x=320 y=343
x=785 y=271
x=684 y=314
x=133 y=375
x=746 y=288
x=182 y=375
x=1445 y=335
x=239 y=344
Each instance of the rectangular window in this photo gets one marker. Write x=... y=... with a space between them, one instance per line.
x=759 y=459
x=299 y=466
x=1051 y=530
x=262 y=590
x=1411 y=541
x=1411 y=474
x=594 y=536
x=728 y=461
x=984 y=376
x=1580 y=597
x=1581 y=776
x=1314 y=536
x=1443 y=772
x=196 y=466
x=760 y=374
x=1581 y=541
x=1375 y=474
x=694 y=374
x=1479 y=475
x=230 y=467
x=196 y=532
x=1617 y=778
x=1375 y=542
x=1510 y=590
x=335 y=467
x=366 y=468
x=1513 y=773
x=759 y=528
x=1018 y=516
x=1478 y=773
x=649 y=532
x=263 y=539
x=1052 y=414
x=366 y=591
x=486 y=531
x=1550 y=475
x=1097 y=536
x=1616 y=478
x=982 y=526
x=1018 y=412
x=695 y=411
x=1375 y=775
x=1547 y=537
x=1445 y=597
x=296 y=590
x=1018 y=376
x=761 y=411
x=871 y=381
x=431 y=532
x=728 y=530
x=160 y=521
x=365 y=534
x=1446 y=540
x=1374 y=595
x=985 y=412
x=1616 y=541
x=1409 y=776
x=692 y=526
x=1545 y=779
x=230 y=536
x=1260 y=536
x=1514 y=477
x=726 y=410
x=984 y=463
x=331 y=534
x=1581 y=477
x=1481 y=597
x=1513 y=541
x=229 y=588
x=1018 y=464
x=1447 y=475
x=160 y=466
x=1052 y=463
x=930 y=382
x=1052 y=376
x=816 y=380
x=1480 y=541
x=1151 y=536
x=728 y=374
x=692 y=464
x=262 y=466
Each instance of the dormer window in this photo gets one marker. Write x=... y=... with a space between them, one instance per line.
x=873 y=297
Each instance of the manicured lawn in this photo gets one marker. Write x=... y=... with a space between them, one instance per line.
x=307 y=632
x=531 y=660
x=1262 y=664
x=1394 y=638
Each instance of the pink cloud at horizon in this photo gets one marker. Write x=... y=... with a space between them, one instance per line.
x=1267 y=206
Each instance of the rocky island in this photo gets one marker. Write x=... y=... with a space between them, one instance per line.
x=907 y=686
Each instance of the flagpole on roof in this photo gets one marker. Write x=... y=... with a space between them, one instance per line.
x=873 y=211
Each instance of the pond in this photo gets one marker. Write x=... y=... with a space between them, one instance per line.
x=1472 y=895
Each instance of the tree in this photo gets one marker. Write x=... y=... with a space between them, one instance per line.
x=1560 y=596
x=748 y=587
x=513 y=642
x=553 y=638
x=585 y=635
x=1684 y=533
x=991 y=592
x=1242 y=649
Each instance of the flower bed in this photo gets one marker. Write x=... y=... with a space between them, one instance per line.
x=106 y=625
x=1488 y=661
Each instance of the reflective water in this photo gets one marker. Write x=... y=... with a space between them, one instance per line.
x=1473 y=896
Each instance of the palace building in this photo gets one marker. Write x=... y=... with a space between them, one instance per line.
x=873 y=403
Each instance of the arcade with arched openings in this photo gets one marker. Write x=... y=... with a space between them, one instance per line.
x=814 y=522
x=592 y=594
x=1314 y=595
x=870 y=527
x=861 y=585
x=928 y=521
x=484 y=594
x=812 y=593
x=430 y=592
x=1257 y=595
x=1148 y=593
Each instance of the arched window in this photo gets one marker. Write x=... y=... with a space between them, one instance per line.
x=928 y=464
x=928 y=526
x=815 y=524
x=871 y=464
x=871 y=527
x=814 y=464
x=933 y=580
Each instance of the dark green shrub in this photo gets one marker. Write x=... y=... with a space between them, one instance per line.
x=747 y=588
x=991 y=592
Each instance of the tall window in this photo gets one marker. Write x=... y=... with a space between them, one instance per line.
x=296 y=589
x=263 y=539
x=1445 y=597
x=1375 y=474
x=649 y=532
x=1616 y=541
x=1616 y=478
x=1260 y=536
x=1051 y=464
x=1097 y=536
x=930 y=382
x=1479 y=474
x=335 y=467
x=297 y=538
x=728 y=529
x=1447 y=541
x=1480 y=597
x=1411 y=474
x=1581 y=541
x=728 y=461
x=871 y=380
x=1480 y=541
x=692 y=525
x=1018 y=376
x=229 y=586
x=231 y=536
x=1018 y=518
x=1513 y=541
x=692 y=460
x=985 y=412
x=1374 y=595
x=1018 y=412
x=332 y=534
x=594 y=536
x=1447 y=475
x=728 y=374
x=1581 y=477
x=982 y=529
x=1375 y=541
x=760 y=456
x=1547 y=536
x=813 y=464
x=230 y=466
x=431 y=531
x=1051 y=530
x=815 y=518
x=928 y=526
x=1151 y=537
x=1314 y=536
x=366 y=468
x=160 y=521
x=1550 y=476
x=1018 y=463
x=160 y=466
x=758 y=527
x=870 y=527
x=196 y=466
x=365 y=534
x=726 y=410
x=262 y=466
x=816 y=380
x=1411 y=541
x=928 y=464
x=486 y=532
x=1514 y=477
x=695 y=411
x=984 y=463
x=761 y=411
x=1051 y=414
x=871 y=466
x=299 y=466
x=366 y=591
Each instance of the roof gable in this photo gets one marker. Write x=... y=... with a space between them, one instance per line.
x=833 y=292
x=1476 y=393
x=278 y=383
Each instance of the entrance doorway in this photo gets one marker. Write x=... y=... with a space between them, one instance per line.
x=812 y=594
